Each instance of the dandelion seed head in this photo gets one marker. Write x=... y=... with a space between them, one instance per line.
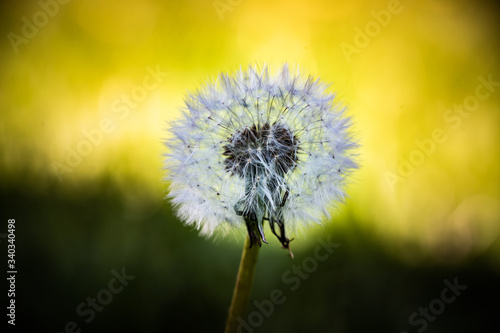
x=259 y=145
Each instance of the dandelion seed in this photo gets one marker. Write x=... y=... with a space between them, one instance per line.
x=261 y=146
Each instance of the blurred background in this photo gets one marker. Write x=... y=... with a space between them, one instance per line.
x=87 y=89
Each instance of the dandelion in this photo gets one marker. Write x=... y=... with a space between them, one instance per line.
x=255 y=147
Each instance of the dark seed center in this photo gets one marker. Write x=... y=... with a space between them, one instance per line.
x=265 y=148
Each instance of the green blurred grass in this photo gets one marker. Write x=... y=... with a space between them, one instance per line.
x=69 y=241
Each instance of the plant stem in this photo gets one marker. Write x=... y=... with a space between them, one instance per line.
x=243 y=287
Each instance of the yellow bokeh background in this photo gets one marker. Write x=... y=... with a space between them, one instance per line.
x=399 y=77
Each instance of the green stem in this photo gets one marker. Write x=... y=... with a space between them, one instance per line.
x=243 y=287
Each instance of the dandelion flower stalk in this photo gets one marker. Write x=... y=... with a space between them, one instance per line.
x=258 y=147
x=243 y=287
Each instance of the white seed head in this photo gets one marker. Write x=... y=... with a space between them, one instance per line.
x=262 y=145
